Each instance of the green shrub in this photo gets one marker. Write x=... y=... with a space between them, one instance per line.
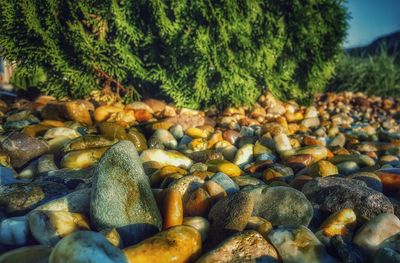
x=374 y=75
x=196 y=52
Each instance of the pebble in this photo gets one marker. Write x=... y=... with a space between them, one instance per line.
x=35 y=254
x=375 y=231
x=323 y=168
x=156 y=158
x=299 y=244
x=176 y=244
x=282 y=205
x=121 y=195
x=14 y=231
x=247 y=246
x=22 y=148
x=233 y=177
x=229 y=215
x=86 y=246
x=223 y=166
x=49 y=227
x=244 y=155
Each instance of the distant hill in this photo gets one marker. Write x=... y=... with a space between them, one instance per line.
x=390 y=42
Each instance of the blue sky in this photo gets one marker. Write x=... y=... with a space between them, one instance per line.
x=371 y=19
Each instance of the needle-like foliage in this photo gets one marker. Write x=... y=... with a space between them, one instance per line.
x=198 y=53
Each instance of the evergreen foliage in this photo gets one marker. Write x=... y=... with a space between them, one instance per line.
x=197 y=52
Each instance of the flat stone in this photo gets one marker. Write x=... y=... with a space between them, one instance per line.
x=14 y=231
x=22 y=148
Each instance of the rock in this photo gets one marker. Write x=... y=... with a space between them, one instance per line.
x=298 y=162
x=186 y=186
x=82 y=158
x=278 y=172
x=177 y=131
x=156 y=158
x=229 y=215
x=200 y=224
x=214 y=190
x=46 y=163
x=225 y=182
x=339 y=140
x=348 y=252
x=247 y=246
x=196 y=133
x=87 y=142
x=112 y=236
x=86 y=246
x=282 y=205
x=49 y=227
x=14 y=231
x=77 y=111
x=198 y=203
x=339 y=223
x=22 y=148
x=162 y=138
x=360 y=159
x=35 y=254
x=317 y=152
x=347 y=168
x=187 y=120
x=7 y=176
x=75 y=202
x=172 y=209
x=244 y=155
x=23 y=197
x=375 y=231
x=247 y=180
x=389 y=250
x=225 y=167
x=61 y=131
x=176 y=244
x=332 y=194
x=72 y=178
x=121 y=195
x=155 y=105
x=282 y=143
x=390 y=178
x=299 y=244
x=323 y=168
x=371 y=179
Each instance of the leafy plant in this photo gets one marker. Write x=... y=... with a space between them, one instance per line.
x=196 y=52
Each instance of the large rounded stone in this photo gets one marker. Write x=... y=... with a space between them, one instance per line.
x=332 y=194
x=23 y=197
x=282 y=205
x=371 y=234
x=86 y=246
x=121 y=195
x=22 y=148
x=247 y=246
x=297 y=244
x=229 y=215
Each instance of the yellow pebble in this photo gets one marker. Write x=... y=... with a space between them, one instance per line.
x=224 y=166
x=176 y=244
x=196 y=133
x=339 y=223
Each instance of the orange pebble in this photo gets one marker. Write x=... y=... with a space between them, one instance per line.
x=143 y=115
x=173 y=209
x=199 y=203
x=53 y=123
